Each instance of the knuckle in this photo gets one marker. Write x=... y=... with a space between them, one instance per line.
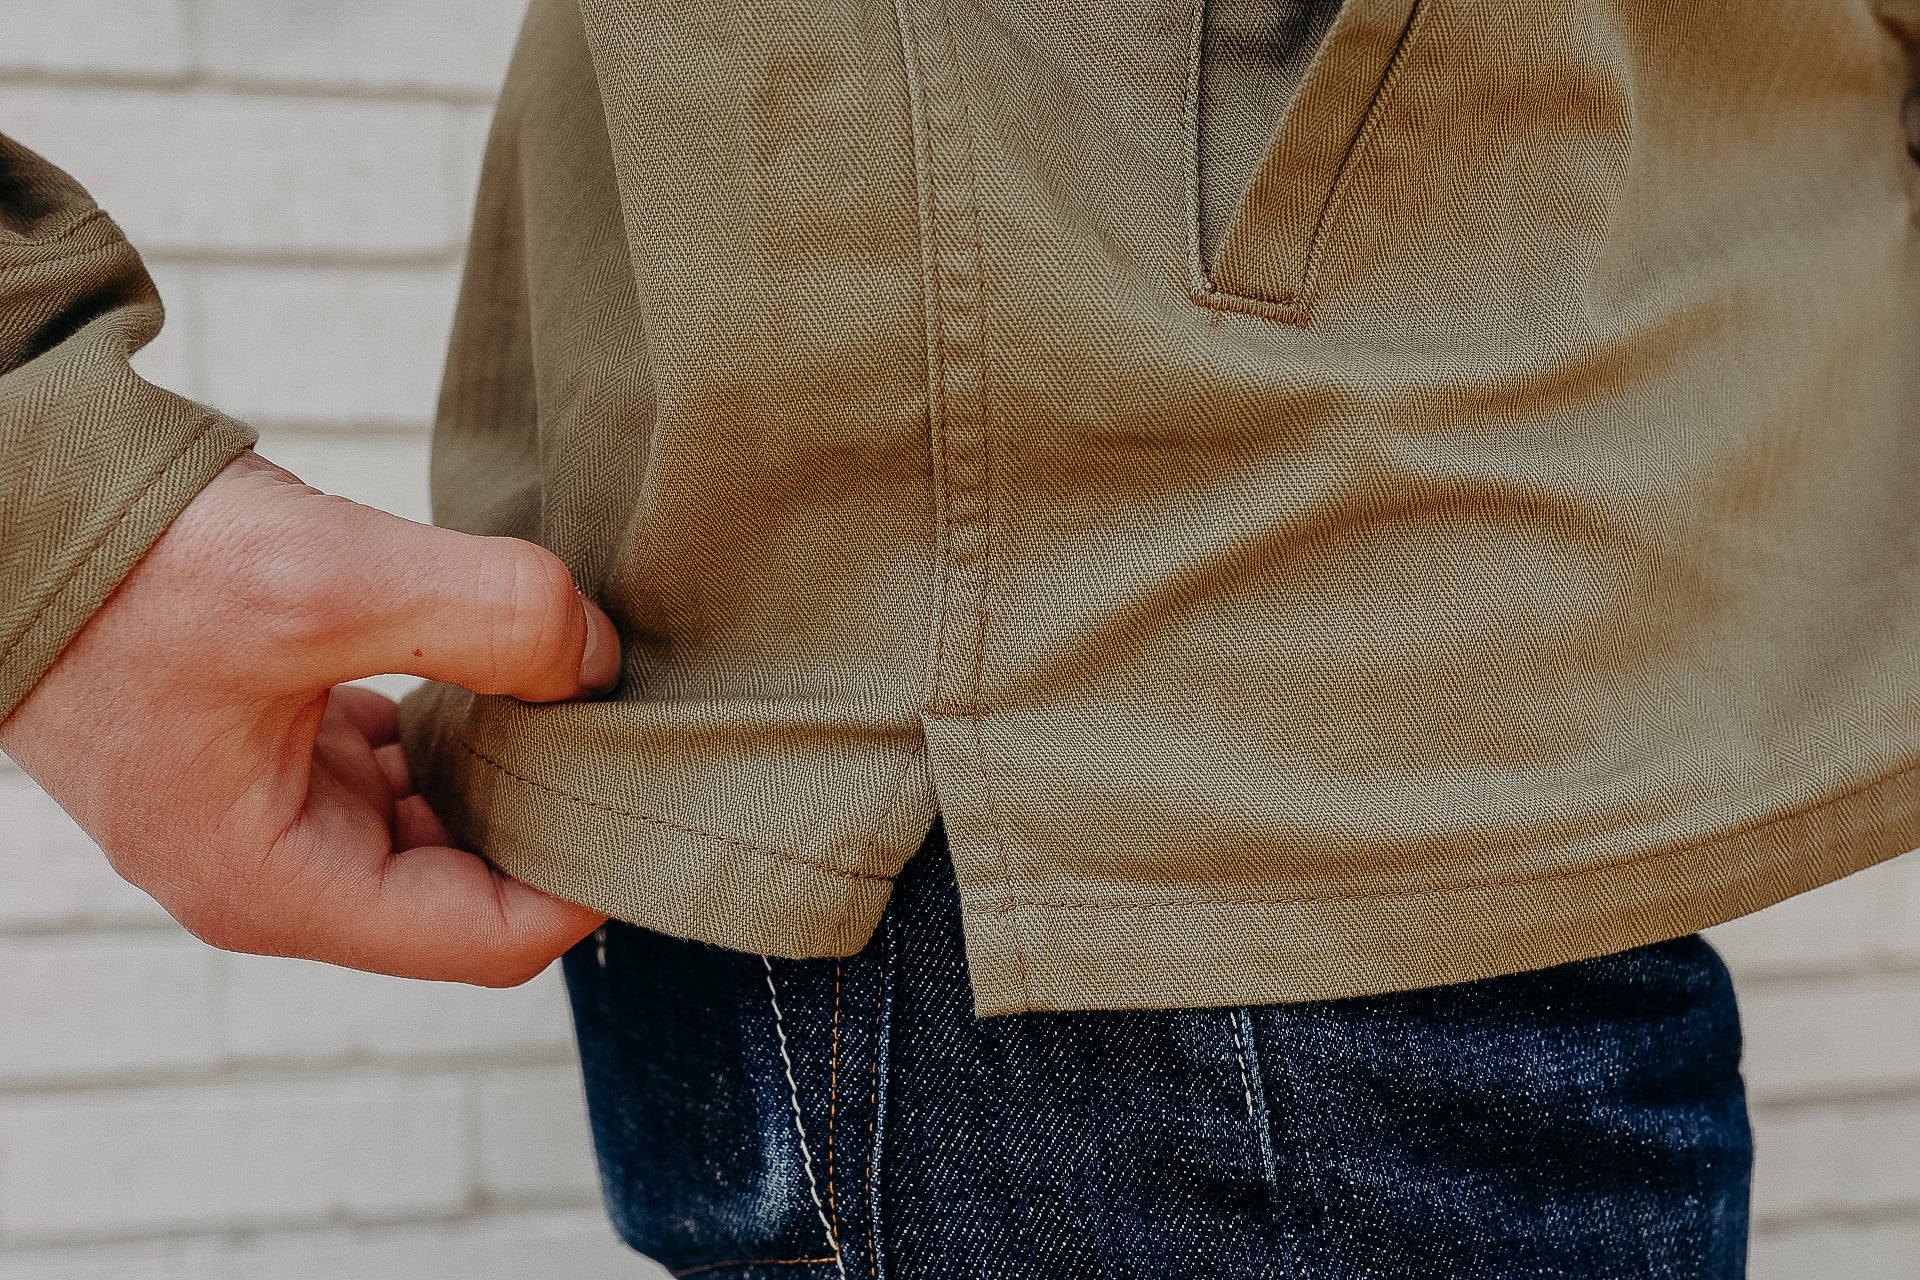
x=534 y=626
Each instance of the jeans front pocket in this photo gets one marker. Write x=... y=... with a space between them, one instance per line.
x=731 y=1101
x=1583 y=1120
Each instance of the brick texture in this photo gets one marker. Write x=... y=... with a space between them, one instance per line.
x=298 y=176
x=51 y=876
x=294 y=177
x=227 y=1154
x=550 y=1245
x=103 y=1005
x=298 y=1011
x=1829 y=988
x=334 y=346
x=533 y=1137
x=449 y=48
x=132 y=39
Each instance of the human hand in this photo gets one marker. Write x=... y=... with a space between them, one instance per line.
x=196 y=730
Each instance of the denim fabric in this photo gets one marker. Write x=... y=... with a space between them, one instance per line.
x=825 y=1118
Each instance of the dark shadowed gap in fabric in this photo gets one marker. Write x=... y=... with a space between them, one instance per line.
x=1252 y=56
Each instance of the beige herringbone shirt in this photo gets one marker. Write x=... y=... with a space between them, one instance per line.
x=1462 y=519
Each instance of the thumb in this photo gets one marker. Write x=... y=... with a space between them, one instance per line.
x=495 y=615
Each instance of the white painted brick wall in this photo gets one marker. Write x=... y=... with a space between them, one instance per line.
x=298 y=1012
x=449 y=48
x=551 y=1245
x=233 y=1153
x=53 y=877
x=322 y=346
x=132 y=39
x=268 y=177
x=79 y=1006
x=530 y=1133
x=299 y=174
x=1829 y=988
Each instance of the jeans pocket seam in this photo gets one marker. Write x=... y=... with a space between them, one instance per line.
x=799 y=1122
x=1260 y=1116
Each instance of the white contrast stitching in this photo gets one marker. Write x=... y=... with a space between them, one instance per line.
x=799 y=1125
x=1240 y=1052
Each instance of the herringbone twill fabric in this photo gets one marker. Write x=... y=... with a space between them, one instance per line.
x=1502 y=548
x=1487 y=541
x=94 y=461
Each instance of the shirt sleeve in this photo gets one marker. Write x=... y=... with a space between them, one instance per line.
x=94 y=460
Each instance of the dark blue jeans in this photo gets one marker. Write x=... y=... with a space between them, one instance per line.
x=820 y=1119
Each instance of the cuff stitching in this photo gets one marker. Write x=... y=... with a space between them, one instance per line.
x=12 y=646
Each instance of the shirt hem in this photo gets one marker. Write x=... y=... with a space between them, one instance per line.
x=1116 y=955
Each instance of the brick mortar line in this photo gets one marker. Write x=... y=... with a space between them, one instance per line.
x=450 y=255
x=243 y=86
x=144 y=930
x=1893 y=1213
x=363 y=1232
x=1797 y=1102
x=1774 y=980
x=316 y=1068
x=475 y=1209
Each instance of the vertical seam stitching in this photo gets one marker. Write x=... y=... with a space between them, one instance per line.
x=833 y=1100
x=1198 y=281
x=873 y=1122
x=936 y=426
x=1240 y=1052
x=975 y=711
x=799 y=1124
x=1248 y=1047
